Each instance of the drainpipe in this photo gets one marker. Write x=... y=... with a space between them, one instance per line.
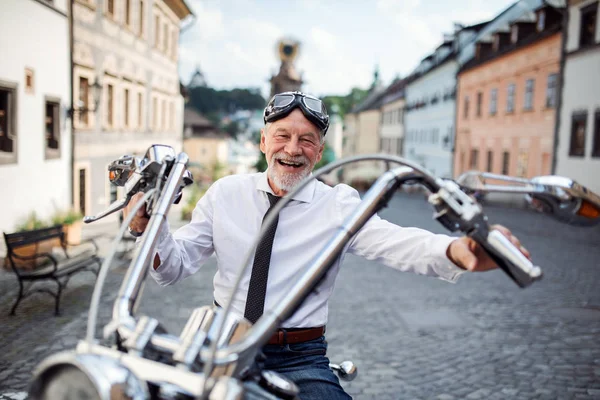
x=559 y=89
x=71 y=66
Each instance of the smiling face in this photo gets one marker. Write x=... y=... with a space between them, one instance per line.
x=292 y=147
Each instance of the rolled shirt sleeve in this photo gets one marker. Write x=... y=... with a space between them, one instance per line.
x=405 y=249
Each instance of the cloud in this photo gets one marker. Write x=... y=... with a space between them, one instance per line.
x=233 y=41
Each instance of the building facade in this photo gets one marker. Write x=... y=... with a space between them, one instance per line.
x=429 y=120
x=431 y=103
x=129 y=48
x=35 y=134
x=391 y=133
x=578 y=150
x=507 y=97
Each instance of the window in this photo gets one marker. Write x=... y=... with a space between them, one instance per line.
x=466 y=108
x=126 y=107
x=505 y=162
x=596 y=144
x=522 y=163
x=140 y=110
x=166 y=38
x=529 y=84
x=474 y=157
x=551 y=91
x=84 y=100
x=109 y=105
x=141 y=31
x=541 y=20
x=493 y=101
x=128 y=12
x=163 y=115
x=82 y=190
x=514 y=34
x=52 y=129
x=174 y=44
x=490 y=160
x=29 y=81
x=510 y=98
x=110 y=8
x=156 y=31
x=172 y=115
x=578 y=125
x=479 y=102
x=155 y=113
x=587 y=30
x=8 y=123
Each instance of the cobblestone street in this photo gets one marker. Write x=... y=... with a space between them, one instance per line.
x=411 y=337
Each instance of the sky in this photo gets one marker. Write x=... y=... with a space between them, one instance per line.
x=233 y=42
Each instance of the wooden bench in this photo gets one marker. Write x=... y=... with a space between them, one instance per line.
x=46 y=264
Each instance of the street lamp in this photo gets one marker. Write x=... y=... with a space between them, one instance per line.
x=81 y=108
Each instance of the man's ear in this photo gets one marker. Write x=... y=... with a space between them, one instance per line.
x=262 y=140
x=320 y=153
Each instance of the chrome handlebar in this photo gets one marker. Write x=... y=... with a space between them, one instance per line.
x=206 y=343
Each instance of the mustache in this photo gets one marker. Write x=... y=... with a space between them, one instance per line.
x=284 y=157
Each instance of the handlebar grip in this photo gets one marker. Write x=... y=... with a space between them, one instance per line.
x=510 y=259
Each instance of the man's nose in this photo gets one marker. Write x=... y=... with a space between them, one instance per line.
x=293 y=148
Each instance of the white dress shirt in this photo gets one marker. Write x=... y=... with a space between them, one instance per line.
x=228 y=217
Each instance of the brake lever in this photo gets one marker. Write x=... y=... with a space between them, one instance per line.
x=114 y=207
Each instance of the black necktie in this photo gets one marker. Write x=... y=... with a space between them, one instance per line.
x=257 y=290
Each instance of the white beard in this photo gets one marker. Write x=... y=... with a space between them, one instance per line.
x=287 y=181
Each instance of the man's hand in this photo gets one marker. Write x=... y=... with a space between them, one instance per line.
x=140 y=221
x=468 y=254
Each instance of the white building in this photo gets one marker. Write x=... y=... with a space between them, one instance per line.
x=430 y=105
x=129 y=48
x=35 y=134
x=578 y=152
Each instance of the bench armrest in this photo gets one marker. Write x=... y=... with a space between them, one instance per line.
x=35 y=256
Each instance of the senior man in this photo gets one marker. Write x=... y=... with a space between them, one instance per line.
x=228 y=217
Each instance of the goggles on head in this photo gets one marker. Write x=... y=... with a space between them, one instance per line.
x=282 y=104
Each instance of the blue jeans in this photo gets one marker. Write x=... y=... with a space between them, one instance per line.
x=306 y=365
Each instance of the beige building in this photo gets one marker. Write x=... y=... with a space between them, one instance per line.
x=126 y=87
x=374 y=126
x=391 y=135
x=207 y=146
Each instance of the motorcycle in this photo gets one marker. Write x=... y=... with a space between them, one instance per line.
x=214 y=357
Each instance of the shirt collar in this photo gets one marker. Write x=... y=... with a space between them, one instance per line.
x=305 y=195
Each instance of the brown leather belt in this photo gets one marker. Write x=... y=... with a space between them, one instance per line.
x=287 y=336
x=291 y=336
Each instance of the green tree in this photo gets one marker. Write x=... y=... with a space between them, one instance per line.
x=208 y=100
x=347 y=102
